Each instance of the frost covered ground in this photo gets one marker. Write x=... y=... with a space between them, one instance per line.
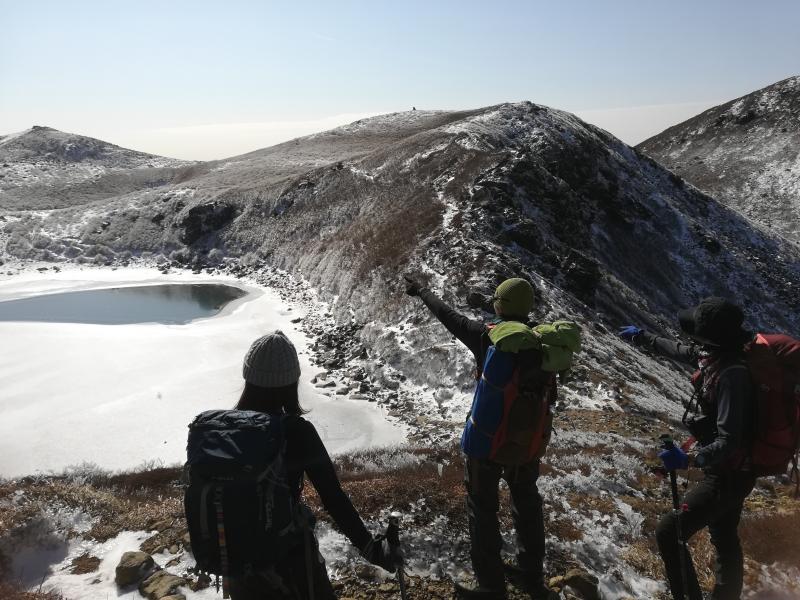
x=122 y=395
x=602 y=500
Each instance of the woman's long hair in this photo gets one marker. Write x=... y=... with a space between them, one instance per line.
x=271 y=399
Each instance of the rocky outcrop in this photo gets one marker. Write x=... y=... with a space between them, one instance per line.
x=132 y=568
x=161 y=584
x=203 y=219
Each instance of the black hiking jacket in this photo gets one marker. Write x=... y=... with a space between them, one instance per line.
x=733 y=404
x=469 y=332
x=305 y=453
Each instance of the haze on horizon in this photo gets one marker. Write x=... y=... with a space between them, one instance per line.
x=206 y=80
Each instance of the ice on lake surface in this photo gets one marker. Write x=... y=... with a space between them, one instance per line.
x=121 y=395
x=174 y=304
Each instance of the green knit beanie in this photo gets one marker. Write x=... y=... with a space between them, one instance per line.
x=513 y=298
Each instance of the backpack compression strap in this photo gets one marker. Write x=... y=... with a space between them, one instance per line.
x=223 y=547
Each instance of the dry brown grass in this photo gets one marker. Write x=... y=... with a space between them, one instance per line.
x=85 y=563
x=772 y=538
x=642 y=556
x=152 y=500
x=383 y=244
x=401 y=487
x=10 y=591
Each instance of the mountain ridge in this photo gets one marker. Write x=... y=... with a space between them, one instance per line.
x=745 y=152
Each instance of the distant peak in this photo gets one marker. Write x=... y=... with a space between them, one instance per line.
x=41 y=128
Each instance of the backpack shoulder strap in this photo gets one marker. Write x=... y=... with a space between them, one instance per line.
x=486 y=343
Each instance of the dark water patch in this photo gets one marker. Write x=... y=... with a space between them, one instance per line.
x=173 y=304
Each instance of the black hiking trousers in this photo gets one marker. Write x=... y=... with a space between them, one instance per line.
x=482 y=478
x=288 y=579
x=714 y=502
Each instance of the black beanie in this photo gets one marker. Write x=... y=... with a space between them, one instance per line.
x=714 y=321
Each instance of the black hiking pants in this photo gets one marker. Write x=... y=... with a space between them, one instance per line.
x=288 y=579
x=482 y=478
x=714 y=502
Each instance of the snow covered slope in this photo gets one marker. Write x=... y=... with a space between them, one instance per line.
x=43 y=168
x=745 y=153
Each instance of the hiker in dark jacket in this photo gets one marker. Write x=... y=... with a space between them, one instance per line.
x=271 y=372
x=513 y=301
x=725 y=396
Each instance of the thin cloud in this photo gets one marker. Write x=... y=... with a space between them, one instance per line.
x=209 y=141
x=308 y=125
x=321 y=36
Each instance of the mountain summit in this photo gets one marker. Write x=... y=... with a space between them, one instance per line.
x=44 y=168
x=745 y=153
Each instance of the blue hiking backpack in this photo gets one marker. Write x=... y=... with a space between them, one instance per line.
x=511 y=418
x=239 y=508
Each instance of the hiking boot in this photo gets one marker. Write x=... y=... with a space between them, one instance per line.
x=479 y=593
x=529 y=582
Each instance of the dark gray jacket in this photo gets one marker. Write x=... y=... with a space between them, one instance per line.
x=732 y=405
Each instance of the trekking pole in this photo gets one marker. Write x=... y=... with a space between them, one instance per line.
x=677 y=509
x=393 y=537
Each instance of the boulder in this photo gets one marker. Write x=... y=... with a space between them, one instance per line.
x=160 y=584
x=583 y=583
x=132 y=568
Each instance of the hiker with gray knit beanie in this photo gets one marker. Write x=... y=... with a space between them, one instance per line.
x=488 y=455
x=258 y=455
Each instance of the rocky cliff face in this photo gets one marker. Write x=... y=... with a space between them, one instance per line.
x=745 y=153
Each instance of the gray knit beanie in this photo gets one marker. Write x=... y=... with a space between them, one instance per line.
x=271 y=361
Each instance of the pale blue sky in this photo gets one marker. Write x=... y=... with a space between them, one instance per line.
x=212 y=79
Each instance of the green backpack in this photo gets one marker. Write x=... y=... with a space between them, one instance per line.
x=560 y=340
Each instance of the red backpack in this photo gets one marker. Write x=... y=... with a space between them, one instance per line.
x=774 y=363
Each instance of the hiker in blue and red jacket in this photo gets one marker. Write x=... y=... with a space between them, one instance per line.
x=513 y=301
x=724 y=431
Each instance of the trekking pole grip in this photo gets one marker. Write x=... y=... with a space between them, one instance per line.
x=393 y=531
x=667 y=443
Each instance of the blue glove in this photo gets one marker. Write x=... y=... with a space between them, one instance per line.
x=674 y=458
x=629 y=332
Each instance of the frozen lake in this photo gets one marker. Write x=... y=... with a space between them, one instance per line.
x=118 y=395
x=175 y=304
